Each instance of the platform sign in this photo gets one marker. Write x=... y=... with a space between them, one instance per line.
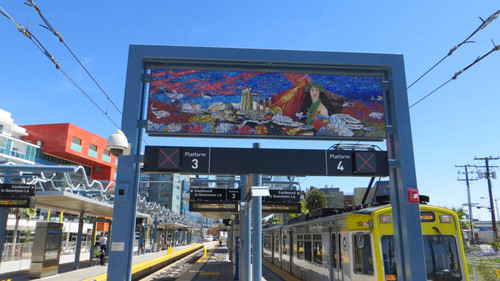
x=244 y=161
x=17 y=190
x=233 y=194
x=339 y=162
x=195 y=159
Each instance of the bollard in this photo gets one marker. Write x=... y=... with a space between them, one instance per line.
x=205 y=252
x=170 y=250
x=194 y=244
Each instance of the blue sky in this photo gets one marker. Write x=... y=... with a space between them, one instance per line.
x=451 y=127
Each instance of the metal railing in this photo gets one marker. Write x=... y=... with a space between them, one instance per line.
x=23 y=250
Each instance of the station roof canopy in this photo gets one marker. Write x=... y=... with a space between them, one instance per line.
x=72 y=203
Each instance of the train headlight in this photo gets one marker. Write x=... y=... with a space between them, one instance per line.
x=385 y=219
x=445 y=219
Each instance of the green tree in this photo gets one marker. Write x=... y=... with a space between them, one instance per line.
x=462 y=217
x=316 y=199
x=303 y=210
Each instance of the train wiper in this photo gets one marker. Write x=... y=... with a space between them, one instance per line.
x=437 y=230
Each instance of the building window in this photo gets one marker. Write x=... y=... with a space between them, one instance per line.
x=76 y=144
x=92 y=150
x=105 y=156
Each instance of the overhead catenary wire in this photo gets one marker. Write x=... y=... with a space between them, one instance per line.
x=495 y=48
x=58 y=35
x=39 y=45
x=452 y=50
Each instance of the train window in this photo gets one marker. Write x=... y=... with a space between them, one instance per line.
x=363 y=260
x=300 y=246
x=334 y=251
x=277 y=243
x=317 y=249
x=441 y=257
x=285 y=245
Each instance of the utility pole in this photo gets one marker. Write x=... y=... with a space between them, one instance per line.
x=468 y=198
x=488 y=177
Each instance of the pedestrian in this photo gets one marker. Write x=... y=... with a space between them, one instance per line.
x=103 y=242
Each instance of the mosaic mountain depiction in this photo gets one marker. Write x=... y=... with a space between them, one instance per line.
x=253 y=104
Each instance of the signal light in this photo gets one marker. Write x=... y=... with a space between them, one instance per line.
x=445 y=219
x=385 y=219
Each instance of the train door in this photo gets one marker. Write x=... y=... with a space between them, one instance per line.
x=336 y=260
x=290 y=246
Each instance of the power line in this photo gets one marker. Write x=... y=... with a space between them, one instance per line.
x=39 y=45
x=495 y=48
x=483 y=25
x=58 y=35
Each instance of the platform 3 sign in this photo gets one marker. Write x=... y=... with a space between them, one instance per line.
x=242 y=161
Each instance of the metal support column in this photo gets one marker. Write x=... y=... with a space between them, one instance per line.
x=127 y=182
x=92 y=245
x=257 y=229
x=410 y=257
x=76 y=265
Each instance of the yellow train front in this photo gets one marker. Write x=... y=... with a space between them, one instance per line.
x=359 y=245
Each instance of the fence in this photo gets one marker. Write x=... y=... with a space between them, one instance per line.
x=483 y=271
x=24 y=250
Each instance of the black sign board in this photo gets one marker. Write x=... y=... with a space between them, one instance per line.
x=17 y=202
x=17 y=190
x=339 y=162
x=281 y=208
x=242 y=161
x=282 y=196
x=213 y=206
x=214 y=194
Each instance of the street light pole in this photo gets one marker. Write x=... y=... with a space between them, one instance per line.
x=488 y=177
x=468 y=201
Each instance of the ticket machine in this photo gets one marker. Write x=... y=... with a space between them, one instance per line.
x=46 y=249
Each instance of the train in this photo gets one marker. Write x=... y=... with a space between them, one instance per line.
x=359 y=245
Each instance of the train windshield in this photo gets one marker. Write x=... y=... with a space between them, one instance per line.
x=441 y=258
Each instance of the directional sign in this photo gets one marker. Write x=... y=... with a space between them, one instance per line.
x=214 y=194
x=339 y=163
x=282 y=196
x=17 y=190
x=207 y=194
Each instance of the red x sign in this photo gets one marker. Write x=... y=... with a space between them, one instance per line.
x=168 y=158
x=366 y=162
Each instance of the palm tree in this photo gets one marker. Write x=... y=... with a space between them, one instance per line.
x=316 y=199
